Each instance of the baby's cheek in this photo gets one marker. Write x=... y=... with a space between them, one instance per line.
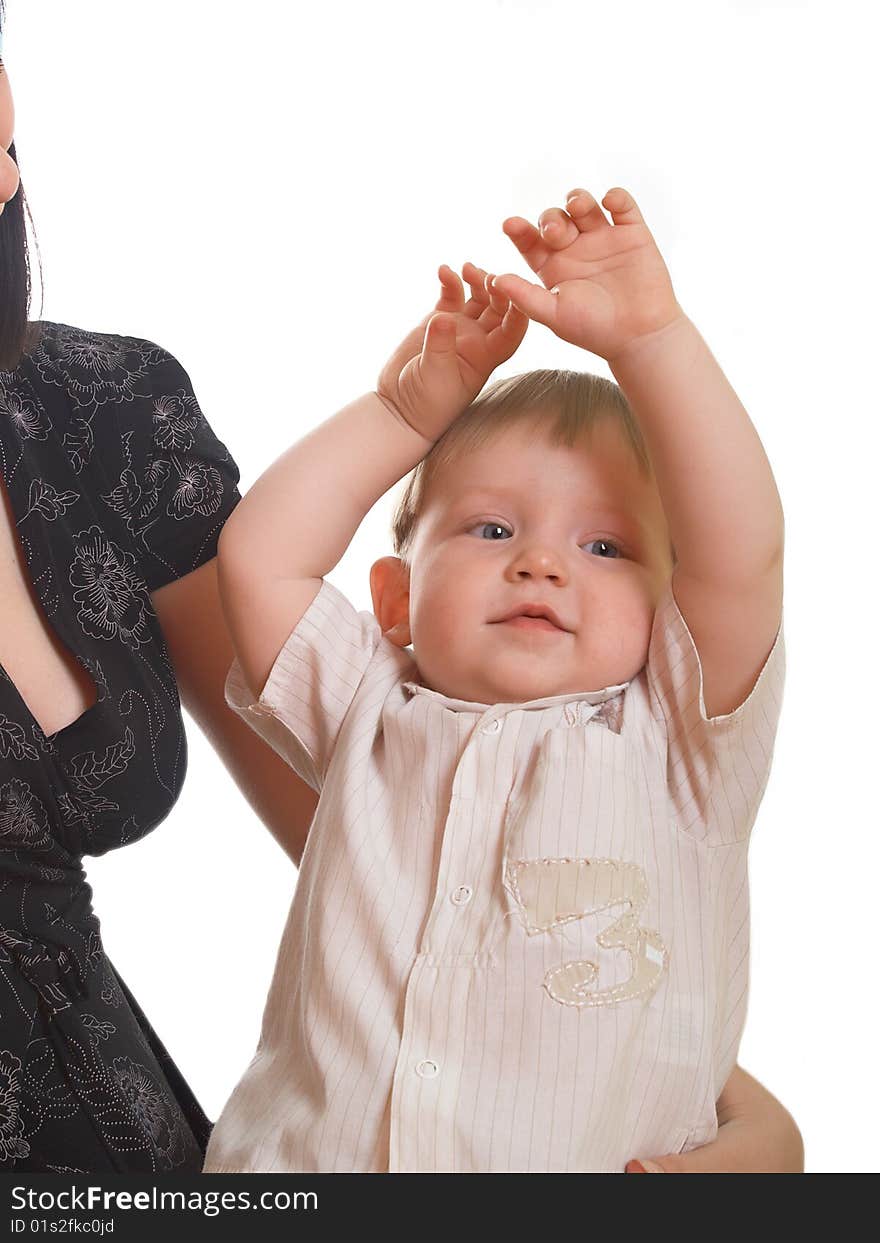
x=625 y=637
x=434 y=618
x=637 y=638
x=433 y=629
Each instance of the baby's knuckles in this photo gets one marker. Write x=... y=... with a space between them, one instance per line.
x=635 y=307
x=639 y=299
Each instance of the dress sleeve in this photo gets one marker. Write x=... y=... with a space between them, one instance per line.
x=333 y=656
x=717 y=767
x=177 y=483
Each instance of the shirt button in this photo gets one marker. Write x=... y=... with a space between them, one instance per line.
x=261 y=709
x=492 y=727
x=427 y=1069
x=462 y=895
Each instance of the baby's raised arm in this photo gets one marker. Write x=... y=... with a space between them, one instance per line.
x=300 y=516
x=607 y=289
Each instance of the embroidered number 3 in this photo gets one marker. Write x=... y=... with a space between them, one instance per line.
x=551 y=892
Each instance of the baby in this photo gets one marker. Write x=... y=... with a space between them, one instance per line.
x=520 y=932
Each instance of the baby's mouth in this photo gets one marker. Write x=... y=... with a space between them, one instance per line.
x=533 y=617
x=523 y=622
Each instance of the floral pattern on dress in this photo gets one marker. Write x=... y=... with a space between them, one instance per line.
x=199 y=490
x=175 y=420
x=110 y=594
x=29 y=420
x=12 y=1143
x=94 y=368
x=117 y=485
x=23 y=818
x=13 y=741
x=148 y=1105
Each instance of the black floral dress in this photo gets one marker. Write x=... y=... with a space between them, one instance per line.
x=117 y=485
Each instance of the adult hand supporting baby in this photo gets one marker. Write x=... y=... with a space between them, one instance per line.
x=756 y=1135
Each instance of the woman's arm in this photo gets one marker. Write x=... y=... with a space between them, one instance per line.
x=756 y=1135
x=201 y=652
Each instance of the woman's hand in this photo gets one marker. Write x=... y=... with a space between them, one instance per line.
x=756 y=1135
x=442 y=365
x=605 y=285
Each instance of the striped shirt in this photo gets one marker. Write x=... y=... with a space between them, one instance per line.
x=519 y=938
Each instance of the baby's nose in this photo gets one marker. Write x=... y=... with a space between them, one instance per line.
x=539 y=561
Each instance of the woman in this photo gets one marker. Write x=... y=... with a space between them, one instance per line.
x=114 y=490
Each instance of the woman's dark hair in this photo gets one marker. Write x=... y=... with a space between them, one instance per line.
x=15 y=275
x=15 y=281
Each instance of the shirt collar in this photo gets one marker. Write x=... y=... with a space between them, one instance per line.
x=464 y=705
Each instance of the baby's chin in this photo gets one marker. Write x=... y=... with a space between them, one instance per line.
x=523 y=687
x=525 y=669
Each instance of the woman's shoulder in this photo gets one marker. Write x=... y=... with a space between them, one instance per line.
x=132 y=418
x=96 y=368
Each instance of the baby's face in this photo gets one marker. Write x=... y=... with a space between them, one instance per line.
x=525 y=524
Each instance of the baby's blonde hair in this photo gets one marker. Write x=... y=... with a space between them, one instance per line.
x=574 y=401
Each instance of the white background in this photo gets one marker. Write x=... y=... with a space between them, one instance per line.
x=267 y=191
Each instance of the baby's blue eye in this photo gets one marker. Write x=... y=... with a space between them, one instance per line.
x=495 y=529
x=608 y=549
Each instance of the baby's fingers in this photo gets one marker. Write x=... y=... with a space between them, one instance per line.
x=451 y=290
x=533 y=300
x=585 y=212
x=507 y=337
x=622 y=206
x=439 y=343
x=498 y=302
x=528 y=242
x=487 y=305
x=476 y=279
x=557 y=229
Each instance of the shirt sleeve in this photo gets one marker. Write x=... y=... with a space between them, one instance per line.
x=313 y=683
x=177 y=483
x=717 y=768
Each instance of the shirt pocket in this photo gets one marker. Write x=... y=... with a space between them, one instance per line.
x=576 y=869
x=586 y=794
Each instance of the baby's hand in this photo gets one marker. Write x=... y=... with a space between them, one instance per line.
x=610 y=286
x=439 y=369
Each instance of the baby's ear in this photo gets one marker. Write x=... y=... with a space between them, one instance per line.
x=389 y=587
